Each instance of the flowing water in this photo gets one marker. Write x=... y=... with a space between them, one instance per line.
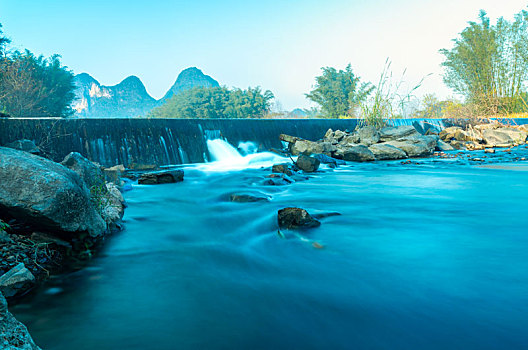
x=423 y=256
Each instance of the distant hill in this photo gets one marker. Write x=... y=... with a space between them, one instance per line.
x=129 y=98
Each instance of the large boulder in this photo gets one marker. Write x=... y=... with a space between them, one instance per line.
x=444 y=146
x=91 y=174
x=383 y=151
x=448 y=134
x=18 y=280
x=359 y=153
x=368 y=135
x=306 y=147
x=307 y=164
x=503 y=136
x=46 y=195
x=24 y=145
x=417 y=146
x=112 y=206
x=13 y=334
x=393 y=133
x=296 y=218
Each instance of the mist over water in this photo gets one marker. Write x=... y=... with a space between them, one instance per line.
x=430 y=256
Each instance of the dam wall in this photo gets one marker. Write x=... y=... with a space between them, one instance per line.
x=156 y=141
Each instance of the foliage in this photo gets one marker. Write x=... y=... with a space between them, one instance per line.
x=488 y=64
x=339 y=92
x=4 y=41
x=33 y=86
x=3 y=226
x=216 y=102
x=387 y=101
x=432 y=107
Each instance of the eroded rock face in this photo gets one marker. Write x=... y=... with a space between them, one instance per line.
x=384 y=151
x=162 y=177
x=18 y=280
x=308 y=164
x=296 y=218
x=47 y=195
x=13 y=334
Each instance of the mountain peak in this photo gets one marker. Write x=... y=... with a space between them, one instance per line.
x=189 y=78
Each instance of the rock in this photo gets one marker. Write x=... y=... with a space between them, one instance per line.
x=328 y=148
x=113 y=206
x=329 y=134
x=383 y=151
x=13 y=334
x=443 y=146
x=113 y=174
x=296 y=218
x=324 y=159
x=394 y=133
x=142 y=167
x=24 y=145
x=4 y=237
x=88 y=171
x=247 y=198
x=489 y=150
x=460 y=145
x=368 y=135
x=307 y=164
x=503 y=136
x=474 y=146
x=288 y=138
x=161 y=177
x=416 y=146
x=16 y=281
x=339 y=135
x=279 y=180
x=449 y=133
x=359 y=153
x=306 y=147
x=283 y=168
x=46 y=195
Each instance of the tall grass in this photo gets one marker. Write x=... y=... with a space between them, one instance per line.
x=387 y=101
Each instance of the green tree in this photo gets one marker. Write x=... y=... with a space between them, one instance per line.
x=32 y=86
x=339 y=92
x=488 y=64
x=216 y=102
x=4 y=41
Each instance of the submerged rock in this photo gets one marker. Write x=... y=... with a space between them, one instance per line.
x=46 y=195
x=296 y=218
x=161 y=177
x=324 y=159
x=284 y=168
x=247 y=198
x=16 y=281
x=308 y=164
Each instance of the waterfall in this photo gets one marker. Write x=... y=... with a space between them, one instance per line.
x=221 y=150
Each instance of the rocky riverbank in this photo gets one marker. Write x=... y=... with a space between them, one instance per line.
x=51 y=216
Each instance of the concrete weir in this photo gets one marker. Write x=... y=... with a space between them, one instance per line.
x=156 y=141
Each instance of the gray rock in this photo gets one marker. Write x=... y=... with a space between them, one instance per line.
x=24 y=145
x=288 y=138
x=394 y=133
x=278 y=180
x=247 y=198
x=383 y=151
x=306 y=147
x=444 y=146
x=4 y=237
x=417 y=146
x=91 y=174
x=113 y=206
x=358 y=153
x=324 y=159
x=296 y=218
x=368 y=135
x=18 y=280
x=284 y=168
x=13 y=334
x=504 y=136
x=47 y=195
x=161 y=177
x=308 y=164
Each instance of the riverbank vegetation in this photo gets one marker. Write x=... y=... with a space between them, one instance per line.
x=33 y=86
x=216 y=102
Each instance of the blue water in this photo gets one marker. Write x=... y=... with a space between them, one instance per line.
x=423 y=256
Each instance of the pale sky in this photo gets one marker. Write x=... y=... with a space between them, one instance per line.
x=278 y=45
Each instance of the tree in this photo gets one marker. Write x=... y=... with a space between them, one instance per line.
x=488 y=64
x=4 y=41
x=32 y=86
x=216 y=102
x=338 y=92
